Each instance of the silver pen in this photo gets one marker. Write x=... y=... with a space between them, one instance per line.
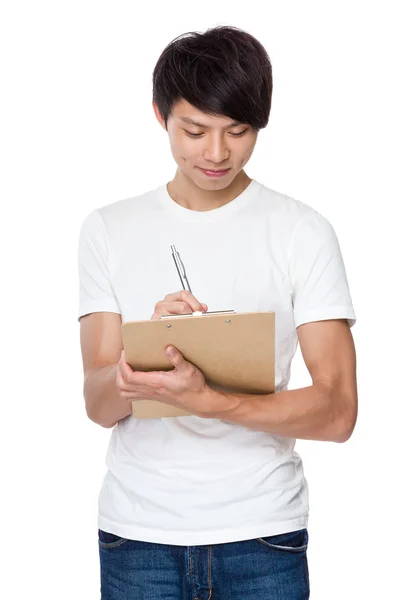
x=180 y=269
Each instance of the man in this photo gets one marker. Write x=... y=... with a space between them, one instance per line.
x=214 y=504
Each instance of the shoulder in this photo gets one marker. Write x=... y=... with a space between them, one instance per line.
x=289 y=212
x=122 y=211
x=129 y=207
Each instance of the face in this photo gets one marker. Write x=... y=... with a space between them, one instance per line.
x=203 y=144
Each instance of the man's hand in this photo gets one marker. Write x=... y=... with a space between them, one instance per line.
x=177 y=304
x=184 y=386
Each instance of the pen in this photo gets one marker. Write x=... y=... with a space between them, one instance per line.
x=180 y=269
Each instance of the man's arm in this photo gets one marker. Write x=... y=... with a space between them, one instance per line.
x=101 y=346
x=326 y=410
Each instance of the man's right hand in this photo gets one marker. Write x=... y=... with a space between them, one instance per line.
x=177 y=304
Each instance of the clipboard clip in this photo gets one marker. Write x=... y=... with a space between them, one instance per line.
x=200 y=314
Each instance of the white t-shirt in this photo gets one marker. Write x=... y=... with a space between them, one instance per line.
x=188 y=480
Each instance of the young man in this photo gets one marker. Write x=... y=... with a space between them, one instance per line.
x=214 y=504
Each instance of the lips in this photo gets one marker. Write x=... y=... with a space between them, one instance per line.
x=217 y=171
x=214 y=174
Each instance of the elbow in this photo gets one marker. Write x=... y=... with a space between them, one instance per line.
x=344 y=414
x=345 y=428
x=96 y=417
x=99 y=421
x=342 y=436
x=104 y=424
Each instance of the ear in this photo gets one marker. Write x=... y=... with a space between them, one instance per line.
x=158 y=115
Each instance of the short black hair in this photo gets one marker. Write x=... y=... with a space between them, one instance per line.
x=224 y=71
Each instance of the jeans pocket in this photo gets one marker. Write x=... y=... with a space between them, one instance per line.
x=109 y=540
x=294 y=541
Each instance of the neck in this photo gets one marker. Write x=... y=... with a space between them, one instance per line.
x=186 y=193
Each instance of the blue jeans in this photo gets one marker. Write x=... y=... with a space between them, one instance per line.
x=270 y=568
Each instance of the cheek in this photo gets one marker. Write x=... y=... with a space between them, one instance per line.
x=247 y=154
x=181 y=148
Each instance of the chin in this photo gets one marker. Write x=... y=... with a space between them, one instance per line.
x=213 y=185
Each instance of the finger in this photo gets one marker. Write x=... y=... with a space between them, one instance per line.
x=177 y=308
x=173 y=308
x=149 y=379
x=175 y=357
x=185 y=296
x=125 y=369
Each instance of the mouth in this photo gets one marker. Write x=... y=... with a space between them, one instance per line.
x=214 y=173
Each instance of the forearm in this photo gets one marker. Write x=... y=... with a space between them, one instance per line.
x=308 y=413
x=103 y=403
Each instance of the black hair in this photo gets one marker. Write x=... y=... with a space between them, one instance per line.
x=224 y=71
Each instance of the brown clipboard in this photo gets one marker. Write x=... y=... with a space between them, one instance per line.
x=235 y=352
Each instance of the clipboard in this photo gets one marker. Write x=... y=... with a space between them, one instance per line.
x=234 y=351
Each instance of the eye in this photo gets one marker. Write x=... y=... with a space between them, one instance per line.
x=196 y=135
x=193 y=134
x=238 y=134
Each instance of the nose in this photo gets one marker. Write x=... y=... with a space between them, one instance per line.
x=216 y=150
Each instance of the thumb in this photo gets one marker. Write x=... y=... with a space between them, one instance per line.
x=174 y=356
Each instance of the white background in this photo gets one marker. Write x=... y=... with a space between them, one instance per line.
x=78 y=132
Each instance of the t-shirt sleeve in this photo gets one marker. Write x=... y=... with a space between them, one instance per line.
x=317 y=273
x=95 y=289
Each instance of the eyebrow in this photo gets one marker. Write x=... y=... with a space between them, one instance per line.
x=192 y=122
